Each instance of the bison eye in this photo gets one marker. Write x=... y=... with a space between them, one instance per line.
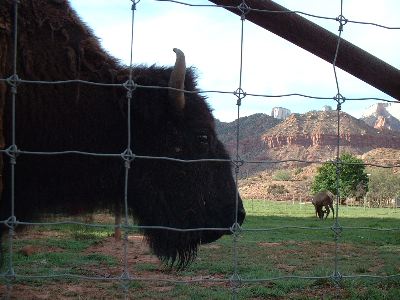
x=202 y=139
x=203 y=143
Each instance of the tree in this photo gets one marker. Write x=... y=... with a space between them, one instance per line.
x=353 y=180
x=383 y=185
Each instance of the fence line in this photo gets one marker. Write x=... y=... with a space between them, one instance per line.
x=128 y=156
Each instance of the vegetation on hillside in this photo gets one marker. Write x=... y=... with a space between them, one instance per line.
x=349 y=177
x=383 y=187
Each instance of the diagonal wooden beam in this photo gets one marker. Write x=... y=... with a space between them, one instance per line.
x=322 y=43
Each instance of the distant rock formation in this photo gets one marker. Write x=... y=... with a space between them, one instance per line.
x=310 y=137
x=320 y=129
x=383 y=116
x=280 y=113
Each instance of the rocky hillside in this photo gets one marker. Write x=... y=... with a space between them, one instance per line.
x=319 y=129
x=311 y=137
x=249 y=127
x=251 y=145
x=267 y=185
x=383 y=156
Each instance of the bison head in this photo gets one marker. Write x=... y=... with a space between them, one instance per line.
x=180 y=194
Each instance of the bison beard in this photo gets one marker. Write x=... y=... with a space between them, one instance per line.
x=53 y=44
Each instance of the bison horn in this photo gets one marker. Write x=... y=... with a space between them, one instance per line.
x=177 y=81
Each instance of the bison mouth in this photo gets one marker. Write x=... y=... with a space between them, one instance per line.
x=209 y=236
x=179 y=248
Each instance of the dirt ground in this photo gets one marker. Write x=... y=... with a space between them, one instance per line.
x=154 y=279
x=137 y=252
x=151 y=279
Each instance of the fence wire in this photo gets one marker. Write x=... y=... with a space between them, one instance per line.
x=235 y=280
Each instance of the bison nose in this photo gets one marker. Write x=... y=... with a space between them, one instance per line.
x=241 y=215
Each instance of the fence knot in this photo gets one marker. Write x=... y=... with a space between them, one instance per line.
x=10 y=274
x=337 y=229
x=12 y=152
x=337 y=278
x=124 y=280
x=244 y=9
x=125 y=227
x=125 y=276
x=128 y=156
x=126 y=235
x=13 y=81
x=238 y=163
x=235 y=228
x=240 y=94
x=235 y=280
x=134 y=4
x=130 y=86
x=342 y=21
x=11 y=222
x=340 y=100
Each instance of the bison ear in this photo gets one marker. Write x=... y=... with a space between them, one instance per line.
x=177 y=81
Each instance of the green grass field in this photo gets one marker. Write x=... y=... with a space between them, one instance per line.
x=283 y=252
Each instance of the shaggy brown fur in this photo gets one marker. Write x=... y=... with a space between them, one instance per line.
x=54 y=44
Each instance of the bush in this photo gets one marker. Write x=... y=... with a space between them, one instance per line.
x=353 y=180
x=282 y=175
x=383 y=185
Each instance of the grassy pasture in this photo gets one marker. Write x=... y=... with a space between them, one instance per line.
x=269 y=262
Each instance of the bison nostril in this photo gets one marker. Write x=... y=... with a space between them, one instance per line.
x=241 y=215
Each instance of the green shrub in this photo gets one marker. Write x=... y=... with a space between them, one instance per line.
x=353 y=180
x=282 y=175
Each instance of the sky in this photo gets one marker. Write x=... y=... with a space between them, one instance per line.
x=211 y=39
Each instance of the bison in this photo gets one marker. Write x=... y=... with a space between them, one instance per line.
x=145 y=135
x=323 y=199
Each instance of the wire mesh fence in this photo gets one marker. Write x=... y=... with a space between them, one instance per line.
x=235 y=281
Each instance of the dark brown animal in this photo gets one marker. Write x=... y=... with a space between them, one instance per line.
x=321 y=200
x=54 y=44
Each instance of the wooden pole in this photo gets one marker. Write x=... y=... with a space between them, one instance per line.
x=322 y=43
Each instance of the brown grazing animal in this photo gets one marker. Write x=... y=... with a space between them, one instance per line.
x=54 y=44
x=323 y=199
